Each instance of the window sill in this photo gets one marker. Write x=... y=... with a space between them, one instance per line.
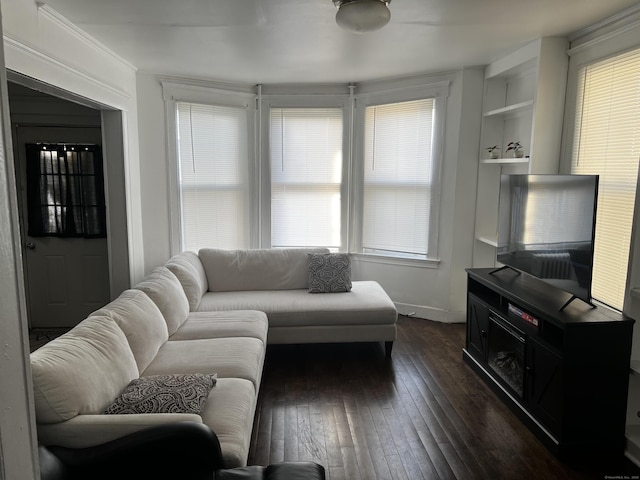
x=398 y=261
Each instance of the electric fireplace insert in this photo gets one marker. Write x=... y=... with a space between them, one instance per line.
x=505 y=355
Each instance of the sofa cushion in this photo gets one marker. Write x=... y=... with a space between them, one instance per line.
x=176 y=393
x=329 y=272
x=141 y=321
x=240 y=357
x=188 y=268
x=366 y=304
x=266 y=269
x=230 y=412
x=82 y=371
x=164 y=288
x=239 y=323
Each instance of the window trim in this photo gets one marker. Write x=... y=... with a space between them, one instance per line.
x=439 y=91
x=397 y=261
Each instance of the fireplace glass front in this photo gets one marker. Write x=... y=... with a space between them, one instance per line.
x=506 y=353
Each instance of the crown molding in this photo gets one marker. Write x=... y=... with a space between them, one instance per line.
x=64 y=23
x=604 y=30
x=18 y=49
x=204 y=84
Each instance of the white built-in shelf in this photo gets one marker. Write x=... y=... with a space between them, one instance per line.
x=505 y=160
x=513 y=108
x=509 y=109
x=489 y=241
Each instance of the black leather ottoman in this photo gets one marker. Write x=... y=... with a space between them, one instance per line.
x=176 y=451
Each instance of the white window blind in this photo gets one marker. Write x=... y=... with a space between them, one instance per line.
x=212 y=146
x=607 y=142
x=398 y=165
x=306 y=176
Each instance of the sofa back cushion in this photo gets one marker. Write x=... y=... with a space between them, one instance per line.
x=82 y=371
x=189 y=270
x=142 y=323
x=275 y=269
x=164 y=288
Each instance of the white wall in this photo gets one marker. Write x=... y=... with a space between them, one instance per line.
x=434 y=293
x=42 y=45
x=154 y=163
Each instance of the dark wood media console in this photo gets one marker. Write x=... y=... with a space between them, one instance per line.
x=563 y=371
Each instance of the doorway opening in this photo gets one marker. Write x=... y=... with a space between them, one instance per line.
x=68 y=277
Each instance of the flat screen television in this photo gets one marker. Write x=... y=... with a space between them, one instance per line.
x=546 y=228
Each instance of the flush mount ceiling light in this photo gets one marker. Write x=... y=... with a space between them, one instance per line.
x=361 y=16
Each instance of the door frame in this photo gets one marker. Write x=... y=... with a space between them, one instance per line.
x=113 y=152
x=18 y=435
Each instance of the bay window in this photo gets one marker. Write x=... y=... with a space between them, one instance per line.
x=346 y=172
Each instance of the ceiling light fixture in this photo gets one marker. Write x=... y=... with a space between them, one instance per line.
x=361 y=16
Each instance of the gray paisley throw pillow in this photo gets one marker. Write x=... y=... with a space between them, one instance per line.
x=176 y=393
x=329 y=272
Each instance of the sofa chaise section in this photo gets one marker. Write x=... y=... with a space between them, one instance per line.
x=276 y=281
x=365 y=314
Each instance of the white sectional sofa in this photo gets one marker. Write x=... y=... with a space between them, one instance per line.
x=149 y=331
x=277 y=282
x=198 y=315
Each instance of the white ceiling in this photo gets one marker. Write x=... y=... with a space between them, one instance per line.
x=298 y=41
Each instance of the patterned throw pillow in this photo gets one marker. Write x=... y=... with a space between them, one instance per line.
x=176 y=393
x=329 y=272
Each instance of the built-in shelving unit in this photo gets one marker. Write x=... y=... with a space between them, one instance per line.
x=523 y=101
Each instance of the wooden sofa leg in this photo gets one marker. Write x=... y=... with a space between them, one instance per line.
x=388 y=346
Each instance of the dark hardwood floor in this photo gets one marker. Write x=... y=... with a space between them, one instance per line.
x=423 y=414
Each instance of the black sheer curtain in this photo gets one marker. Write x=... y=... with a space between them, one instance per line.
x=65 y=190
